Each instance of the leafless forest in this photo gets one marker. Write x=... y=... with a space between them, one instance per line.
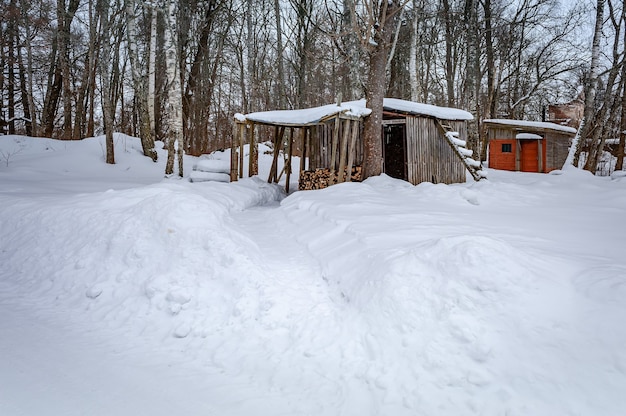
x=177 y=71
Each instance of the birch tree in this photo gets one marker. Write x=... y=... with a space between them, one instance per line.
x=139 y=84
x=590 y=89
x=108 y=108
x=173 y=117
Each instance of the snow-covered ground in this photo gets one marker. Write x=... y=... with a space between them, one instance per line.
x=124 y=293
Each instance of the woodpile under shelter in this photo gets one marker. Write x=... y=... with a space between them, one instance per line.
x=421 y=143
x=527 y=146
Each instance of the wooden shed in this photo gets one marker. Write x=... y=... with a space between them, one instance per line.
x=527 y=146
x=421 y=143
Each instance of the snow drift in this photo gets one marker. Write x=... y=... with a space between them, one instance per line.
x=377 y=298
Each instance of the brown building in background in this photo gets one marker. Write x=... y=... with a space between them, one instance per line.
x=568 y=114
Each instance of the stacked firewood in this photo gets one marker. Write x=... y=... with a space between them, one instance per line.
x=323 y=178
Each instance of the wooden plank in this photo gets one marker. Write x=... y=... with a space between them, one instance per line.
x=354 y=135
x=242 y=132
x=253 y=166
x=288 y=164
x=233 y=153
x=333 y=151
x=343 y=152
x=302 y=148
x=394 y=121
x=278 y=135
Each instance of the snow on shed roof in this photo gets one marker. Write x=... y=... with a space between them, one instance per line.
x=304 y=117
x=419 y=109
x=442 y=113
x=315 y=115
x=532 y=125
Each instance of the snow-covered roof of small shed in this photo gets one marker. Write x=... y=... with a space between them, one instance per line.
x=304 y=117
x=532 y=125
x=419 y=109
x=410 y=107
x=316 y=115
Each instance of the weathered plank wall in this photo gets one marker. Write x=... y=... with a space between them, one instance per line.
x=321 y=145
x=557 y=147
x=429 y=156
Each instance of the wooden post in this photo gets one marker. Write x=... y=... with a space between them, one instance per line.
x=540 y=156
x=303 y=132
x=343 y=152
x=278 y=135
x=234 y=144
x=351 y=154
x=333 y=150
x=242 y=132
x=253 y=166
x=288 y=164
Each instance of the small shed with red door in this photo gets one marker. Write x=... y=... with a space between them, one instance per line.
x=527 y=146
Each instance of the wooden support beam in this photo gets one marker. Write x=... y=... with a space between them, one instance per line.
x=253 y=166
x=234 y=145
x=303 y=133
x=343 y=152
x=333 y=150
x=278 y=140
x=286 y=155
x=351 y=154
x=288 y=164
x=242 y=132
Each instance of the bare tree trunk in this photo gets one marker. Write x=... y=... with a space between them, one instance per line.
x=64 y=57
x=174 y=109
x=282 y=98
x=379 y=46
x=152 y=72
x=609 y=101
x=11 y=32
x=354 y=85
x=141 y=95
x=105 y=80
x=25 y=7
x=590 y=90
x=25 y=96
x=619 y=165
x=58 y=76
x=491 y=66
x=413 y=79
x=447 y=17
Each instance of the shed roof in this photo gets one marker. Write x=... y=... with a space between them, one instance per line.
x=304 y=117
x=420 y=109
x=358 y=109
x=531 y=126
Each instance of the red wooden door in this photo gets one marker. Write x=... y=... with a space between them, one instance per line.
x=529 y=158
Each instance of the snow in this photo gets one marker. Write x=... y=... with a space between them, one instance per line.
x=528 y=136
x=410 y=107
x=358 y=108
x=125 y=293
x=533 y=125
x=303 y=117
x=442 y=113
